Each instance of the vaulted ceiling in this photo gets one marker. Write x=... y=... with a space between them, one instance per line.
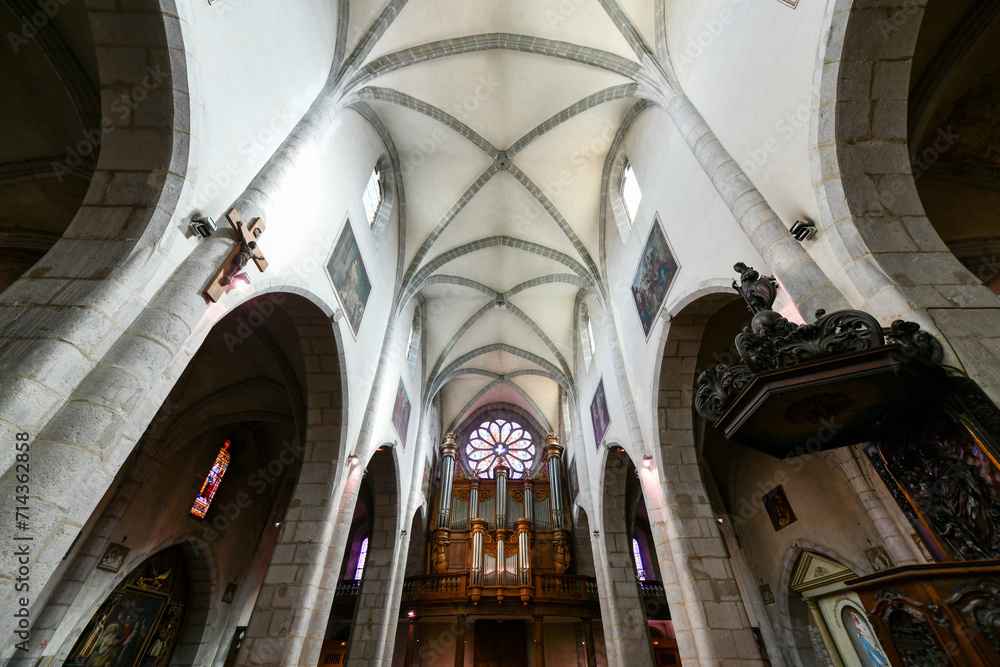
x=502 y=116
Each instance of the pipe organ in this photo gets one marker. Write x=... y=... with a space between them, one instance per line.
x=500 y=538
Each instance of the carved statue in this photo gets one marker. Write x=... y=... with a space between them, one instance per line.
x=758 y=292
x=245 y=254
x=440 y=555
x=561 y=556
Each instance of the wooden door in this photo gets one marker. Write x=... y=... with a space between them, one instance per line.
x=501 y=644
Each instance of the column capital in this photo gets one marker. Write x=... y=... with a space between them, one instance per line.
x=448 y=447
x=478 y=525
x=522 y=525
x=502 y=469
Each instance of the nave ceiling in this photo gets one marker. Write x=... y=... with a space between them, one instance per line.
x=502 y=138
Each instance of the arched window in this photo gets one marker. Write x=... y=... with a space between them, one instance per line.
x=212 y=481
x=362 y=556
x=500 y=440
x=373 y=195
x=640 y=571
x=590 y=336
x=631 y=194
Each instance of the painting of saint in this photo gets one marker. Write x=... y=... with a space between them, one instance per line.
x=863 y=638
x=776 y=504
x=401 y=413
x=350 y=278
x=599 y=413
x=118 y=634
x=656 y=271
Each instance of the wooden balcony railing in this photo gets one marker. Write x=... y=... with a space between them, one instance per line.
x=454 y=587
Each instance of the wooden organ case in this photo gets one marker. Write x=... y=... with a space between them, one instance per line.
x=501 y=547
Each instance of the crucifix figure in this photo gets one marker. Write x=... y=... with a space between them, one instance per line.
x=245 y=250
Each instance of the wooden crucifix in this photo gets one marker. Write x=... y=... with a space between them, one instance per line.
x=245 y=250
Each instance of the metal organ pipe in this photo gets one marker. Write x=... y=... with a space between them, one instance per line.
x=448 y=450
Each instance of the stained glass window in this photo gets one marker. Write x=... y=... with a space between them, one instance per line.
x=500 y=440
x=373 y=195
x=212 y=482
x=631 y=194
x=362 y=557
x=640 y=571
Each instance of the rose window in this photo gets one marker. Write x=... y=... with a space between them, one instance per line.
x=500 y=440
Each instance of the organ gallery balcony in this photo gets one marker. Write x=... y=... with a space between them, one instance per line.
x=453 y=589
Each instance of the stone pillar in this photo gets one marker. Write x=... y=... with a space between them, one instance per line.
x=800 y=276
x=898 y=546
x=553 y=452
x=588 y=641
x=828 y=643
x=539 y=642
x=448 y=450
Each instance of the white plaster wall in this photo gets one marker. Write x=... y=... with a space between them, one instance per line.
x=706 y=242
x=260 y=66
x=829 y=515
x=748 y=67
x=304 y=223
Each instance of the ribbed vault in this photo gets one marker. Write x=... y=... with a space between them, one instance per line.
x=501 y=115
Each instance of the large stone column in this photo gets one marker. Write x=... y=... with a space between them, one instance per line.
x=800 y=276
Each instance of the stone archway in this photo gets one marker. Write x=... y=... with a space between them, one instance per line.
x=373 y=628
x=706 y=606
x=864 y=183
x=624 y=616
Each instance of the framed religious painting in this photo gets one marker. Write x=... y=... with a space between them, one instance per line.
x=113 y=558
x=778 y=509
x=599 y=414
x=653 y=277
x=573 y=482
x=401 y=413
x=346 y=269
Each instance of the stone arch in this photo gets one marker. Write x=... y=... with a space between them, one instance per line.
x=200 y=611
x=697 y=576
x=871 y=212
x=138 y=128
x=791 y=608
x=621 y=604
x=122 y=232
x=374 y=626
x=322 y=435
